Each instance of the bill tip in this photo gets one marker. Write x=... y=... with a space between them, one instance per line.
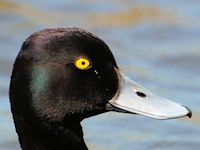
x=189 y=112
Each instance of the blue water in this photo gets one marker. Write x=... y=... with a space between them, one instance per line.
x=155 y=42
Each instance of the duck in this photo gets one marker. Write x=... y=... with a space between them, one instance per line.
x=62 y=76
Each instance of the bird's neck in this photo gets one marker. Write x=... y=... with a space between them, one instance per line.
x=67 y=137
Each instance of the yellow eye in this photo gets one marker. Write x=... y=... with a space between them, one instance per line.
x=82 y=63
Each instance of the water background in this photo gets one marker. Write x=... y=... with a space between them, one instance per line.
x=157 y=43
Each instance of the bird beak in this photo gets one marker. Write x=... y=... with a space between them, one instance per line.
x=133 y=98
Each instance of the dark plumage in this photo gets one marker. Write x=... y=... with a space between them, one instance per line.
x=50 y=96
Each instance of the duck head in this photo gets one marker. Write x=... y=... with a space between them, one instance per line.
x=68 y=74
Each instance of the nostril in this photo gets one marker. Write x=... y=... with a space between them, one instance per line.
x=141 y=94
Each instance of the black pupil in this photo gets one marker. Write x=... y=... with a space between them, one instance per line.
x=83 y=63
x=141 y=94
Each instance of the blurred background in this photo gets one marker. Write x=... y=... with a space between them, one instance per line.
x=155 y=42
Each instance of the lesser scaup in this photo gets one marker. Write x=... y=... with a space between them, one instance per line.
x=62 y=76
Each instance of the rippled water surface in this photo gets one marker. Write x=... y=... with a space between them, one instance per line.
x=155 y=42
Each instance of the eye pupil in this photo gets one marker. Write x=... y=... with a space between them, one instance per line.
x=83 y=63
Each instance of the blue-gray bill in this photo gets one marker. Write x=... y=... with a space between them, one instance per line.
x=133 y=98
